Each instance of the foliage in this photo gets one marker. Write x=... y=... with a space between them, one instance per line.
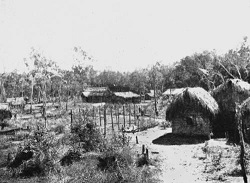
x=87 y=138
x=37 y=156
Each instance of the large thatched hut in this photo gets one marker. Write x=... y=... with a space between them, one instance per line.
x=192 y=112
x=228 y=95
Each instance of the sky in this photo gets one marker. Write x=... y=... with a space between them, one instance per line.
x=121 y=35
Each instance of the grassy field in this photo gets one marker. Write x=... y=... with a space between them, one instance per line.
x=92 y=157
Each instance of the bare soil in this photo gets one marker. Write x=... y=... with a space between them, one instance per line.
x=181 y=160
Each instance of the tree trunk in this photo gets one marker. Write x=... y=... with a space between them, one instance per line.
x=156 y=111
x=31 y=95
x=242 y=143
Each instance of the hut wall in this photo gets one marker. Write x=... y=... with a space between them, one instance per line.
x=147 y=97
x=191 y=125
x=136 y=100
x=84 y=99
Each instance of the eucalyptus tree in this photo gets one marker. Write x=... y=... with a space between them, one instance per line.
x=40 y=71
x=156 y=79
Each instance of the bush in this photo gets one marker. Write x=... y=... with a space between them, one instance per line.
x=59 y=129
x=38 y=155
x=87 y=137
x=70 y=157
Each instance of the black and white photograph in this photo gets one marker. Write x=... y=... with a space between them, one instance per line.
x=124 y=91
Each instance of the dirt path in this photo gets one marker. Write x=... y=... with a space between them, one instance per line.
x=178 y=163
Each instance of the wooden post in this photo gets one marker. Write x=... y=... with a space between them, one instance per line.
x=147 y=156
x=94 y=115
x=67 y=106
x=45 y=119
x=105 y=121
x=242 y=143
x=71 y=119
x=111 y=115
x=154 y=117
x=136 y=140
x=134 y=115
x=124 y=120
x=118 y=118
x=143 y=149
x=129 y=114
x=138 y=125
x=100 y=116
x=150 y=117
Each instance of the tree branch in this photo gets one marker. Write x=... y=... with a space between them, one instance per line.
x=226 y=70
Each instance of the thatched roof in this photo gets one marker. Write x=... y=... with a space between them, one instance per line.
x=95 y=91
x=173 y=91
x=126 y=95
x=192 y=99
x=237 y=85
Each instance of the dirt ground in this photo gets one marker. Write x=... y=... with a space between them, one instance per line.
x=180 y=163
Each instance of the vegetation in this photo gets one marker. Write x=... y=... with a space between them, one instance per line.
x=55 y=151
x=45 y=79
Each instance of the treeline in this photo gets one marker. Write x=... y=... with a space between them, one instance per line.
x=45 y=79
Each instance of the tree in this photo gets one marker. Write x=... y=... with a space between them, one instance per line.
x=156 y=78
x=40 y=71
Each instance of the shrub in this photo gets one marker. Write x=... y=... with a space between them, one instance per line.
x=38 y=155
x=70 y=157
x=59 y=129
x=87 y=137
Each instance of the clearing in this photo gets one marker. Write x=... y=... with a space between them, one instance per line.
x=186 y=162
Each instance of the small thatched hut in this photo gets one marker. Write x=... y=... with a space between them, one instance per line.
x=96 y=95
x=126 y=97
x=228 y=95
x=192 y=112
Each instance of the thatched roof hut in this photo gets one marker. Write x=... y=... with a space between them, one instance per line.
x=96 y=94
x=192 y=112
x=228 y=95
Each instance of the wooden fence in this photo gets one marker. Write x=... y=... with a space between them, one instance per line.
x=130 y=117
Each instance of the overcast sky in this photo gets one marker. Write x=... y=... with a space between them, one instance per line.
x=120 y=34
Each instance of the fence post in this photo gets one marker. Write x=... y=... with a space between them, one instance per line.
x=105 y=121
x=100 y=116
x=134 y=115
x=111 y=115
x=136 y=140
x=154 y=117
x=143 y=149
x=147 y=156
x=138 y=125
x=118 y=117
x=71 y=119
x=124 y=120
x=129 y=114
x=94 y=115
x=79 y=113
